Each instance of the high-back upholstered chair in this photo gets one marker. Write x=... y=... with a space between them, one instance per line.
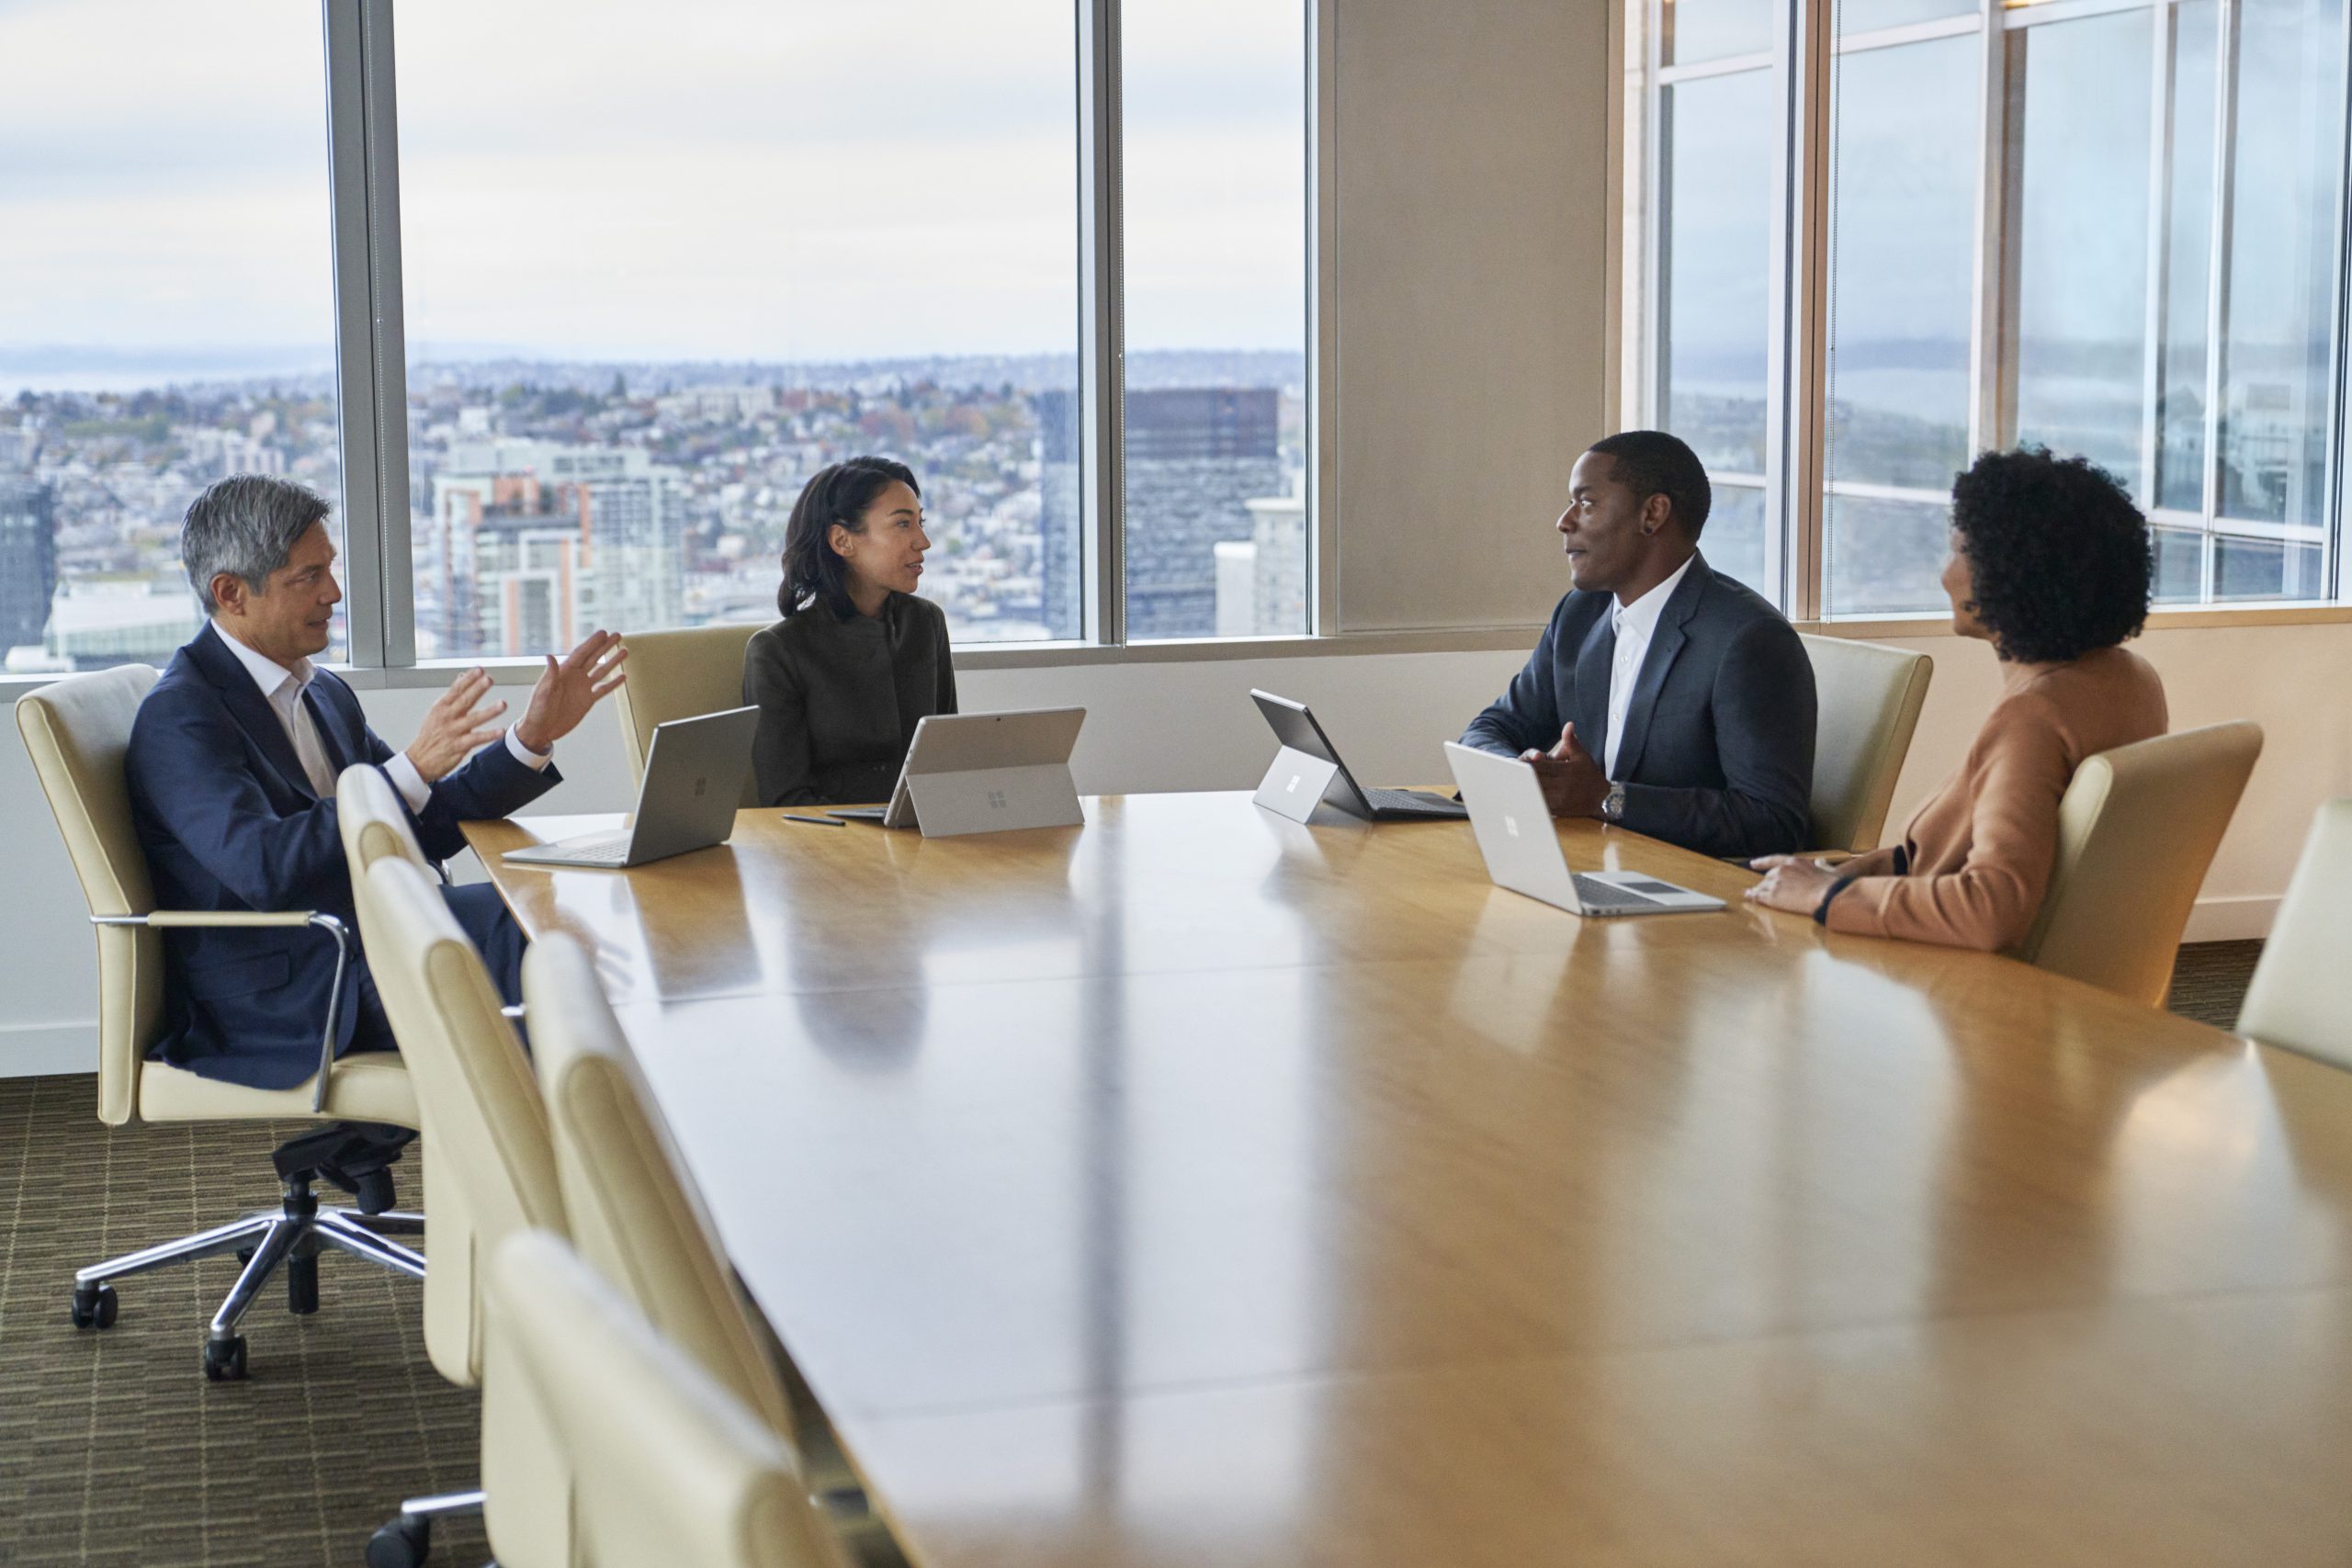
x=637 y=1218
x=673 y=1469
x=1870 y=700
x=77 y=731
x=374 y=823
x=2300 y=997
x=635 y=1214
x=681 y=674
x=489 y=1171
x=2137 y=829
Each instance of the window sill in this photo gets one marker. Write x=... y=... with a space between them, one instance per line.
x=2200 y=617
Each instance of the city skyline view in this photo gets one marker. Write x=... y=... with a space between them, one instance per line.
x=651 y=280
x=550 y=497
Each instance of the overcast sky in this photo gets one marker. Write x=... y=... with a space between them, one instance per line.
x=787 y=180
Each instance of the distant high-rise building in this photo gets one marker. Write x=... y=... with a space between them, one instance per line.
x=537 y=542
x=27 y=560
x=19 y=444
x=1262 y=581
x=1197 y=456
x=98 y=624
x=1062 y=514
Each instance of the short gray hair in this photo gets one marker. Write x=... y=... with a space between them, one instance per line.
x=246 y=525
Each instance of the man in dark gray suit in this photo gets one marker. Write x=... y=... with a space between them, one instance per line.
x=1662 y=696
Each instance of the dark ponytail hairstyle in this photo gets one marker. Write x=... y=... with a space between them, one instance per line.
x=813 y=573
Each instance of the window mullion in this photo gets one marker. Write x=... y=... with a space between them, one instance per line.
x=370 y=357
x=1648 y=314
x=1797 y=350
x=2160 y=161
x=2332 y=582
x=1987 y=420
x=1322 y=317
x=1101 y=324
x=363 y=563
x=2218 y=274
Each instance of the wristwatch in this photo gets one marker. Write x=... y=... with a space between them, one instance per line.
x=1613 y=804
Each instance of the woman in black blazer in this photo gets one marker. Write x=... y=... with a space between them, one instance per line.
x=857 y=658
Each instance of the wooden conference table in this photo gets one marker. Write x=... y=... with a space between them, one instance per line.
x=1201 y=1188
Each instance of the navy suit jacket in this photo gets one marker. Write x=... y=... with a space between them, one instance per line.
x=1718 y=750
x=229 y=822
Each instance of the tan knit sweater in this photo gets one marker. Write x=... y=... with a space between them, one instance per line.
x=1975 y=860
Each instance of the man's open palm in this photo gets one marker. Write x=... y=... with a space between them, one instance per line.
x=569 y=687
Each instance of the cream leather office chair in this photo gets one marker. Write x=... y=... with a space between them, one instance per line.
x=636 y=1218
x=681 y=674
x=1869 y=702
x=2300 y=997
x=2137 y=829
x=673 y=1469
x=373 y=822
x=489 y=1171
x=77 y=731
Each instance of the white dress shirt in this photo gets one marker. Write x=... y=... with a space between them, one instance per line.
x=282 y=688
x=1635 y=623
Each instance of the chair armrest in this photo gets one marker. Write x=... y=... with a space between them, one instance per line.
x=170 y=918
x=249 y=919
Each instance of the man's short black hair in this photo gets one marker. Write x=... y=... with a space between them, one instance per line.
x=2060 y=557
x=1653 y=463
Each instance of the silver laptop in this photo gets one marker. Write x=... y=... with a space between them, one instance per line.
x=1515 y=834
x=985 y=773
x=694 y=779
x=1307 y=772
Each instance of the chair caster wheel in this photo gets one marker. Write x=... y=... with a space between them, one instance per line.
x=373 y=1191
x=224 y=1359
x=403 y=1543
x=94 y=1306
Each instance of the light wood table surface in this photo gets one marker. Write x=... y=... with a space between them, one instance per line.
x=1201 y=1188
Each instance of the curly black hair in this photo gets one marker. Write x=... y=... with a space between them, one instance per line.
x=2060 y=557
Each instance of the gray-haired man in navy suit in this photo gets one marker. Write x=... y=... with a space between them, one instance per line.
x=231 y=768
x=1662 y=696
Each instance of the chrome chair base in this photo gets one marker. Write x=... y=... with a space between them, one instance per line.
x=289 y=1236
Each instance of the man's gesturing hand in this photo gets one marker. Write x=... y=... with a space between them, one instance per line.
x=457 y=722
x=567 y=690
x=1572 y=783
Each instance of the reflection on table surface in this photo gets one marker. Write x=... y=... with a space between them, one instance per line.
x=1201 y=1187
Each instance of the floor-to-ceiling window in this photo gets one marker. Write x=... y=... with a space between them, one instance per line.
x=2114 y=228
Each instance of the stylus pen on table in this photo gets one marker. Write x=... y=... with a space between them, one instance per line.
x=817 y=821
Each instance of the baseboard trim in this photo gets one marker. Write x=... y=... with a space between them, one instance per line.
x=39 y=1050
x=2245 y=917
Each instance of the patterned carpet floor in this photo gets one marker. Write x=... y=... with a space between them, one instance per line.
x=114 y=1450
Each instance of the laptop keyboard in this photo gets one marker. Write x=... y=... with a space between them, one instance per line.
x=599 y=855
x=1593 y=891
x=1417 y=802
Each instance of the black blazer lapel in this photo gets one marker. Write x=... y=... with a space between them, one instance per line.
x=1665 y=642
x=248 y=708
x=1591 y=716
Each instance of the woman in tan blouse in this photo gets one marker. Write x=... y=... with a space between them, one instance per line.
x=2050 y=564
